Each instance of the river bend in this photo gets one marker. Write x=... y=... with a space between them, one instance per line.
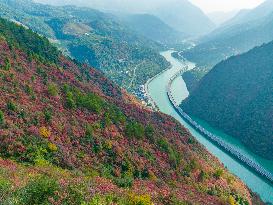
x=157 y=89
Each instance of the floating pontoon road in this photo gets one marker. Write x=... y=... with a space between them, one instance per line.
x=157 y=89
x=215 y=139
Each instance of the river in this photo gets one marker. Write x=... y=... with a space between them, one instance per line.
x=157 y=89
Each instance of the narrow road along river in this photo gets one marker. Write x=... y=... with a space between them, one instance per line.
x=157 y=89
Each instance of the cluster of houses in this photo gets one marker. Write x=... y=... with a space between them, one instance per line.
x=141 y=94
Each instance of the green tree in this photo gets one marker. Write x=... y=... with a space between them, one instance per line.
x=52 y=89
x=203 y=176
x=38 y=191
x=218 y=173
x=7 y=64
x=2 y=117
x=11 y=106
x=134 y=130
x=149 y=132
x=70 y=102
x=47 y=115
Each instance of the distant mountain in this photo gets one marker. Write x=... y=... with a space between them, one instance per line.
x=249 y=28
x=245 y=16
x=237 y=97
x=239 y=17
x=185 y=17
x=220 y=17
x=152 y=28
x=93 y=37
x=181 y=15
x=233 y=38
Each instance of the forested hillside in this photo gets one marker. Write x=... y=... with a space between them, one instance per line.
x=232 y=40
x=242 y=33
x=181 y=15
x=236 y=96
x=93 y=37
x=68 y=135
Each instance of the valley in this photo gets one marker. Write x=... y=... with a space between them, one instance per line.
x=246 y=30
x=71 y=136
x=100 y=39
x=159 y=102
x=158 y=91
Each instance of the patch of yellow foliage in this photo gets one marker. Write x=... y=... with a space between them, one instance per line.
x=52 y=147
x=140 y=199
x=44 y=132
x=231 y=200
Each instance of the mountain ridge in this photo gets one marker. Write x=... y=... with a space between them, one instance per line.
x=153 y=28
x=220 y=18
x=249 y=15
x=230 y=40
x=235 y=96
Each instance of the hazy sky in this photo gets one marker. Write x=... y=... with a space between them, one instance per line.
x=225 y=5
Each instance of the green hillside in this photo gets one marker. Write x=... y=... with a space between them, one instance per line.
x=236 y=96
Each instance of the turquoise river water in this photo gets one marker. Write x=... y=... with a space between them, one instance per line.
x=157 y=89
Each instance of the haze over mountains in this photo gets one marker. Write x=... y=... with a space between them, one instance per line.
x=219 y=17
x=249 y=15
x=249 y=28
x=152 y=28
x=179 y=14
x=245 y=31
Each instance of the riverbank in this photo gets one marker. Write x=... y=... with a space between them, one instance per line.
x=215 y=139
x=150 y=99
x=157 y=89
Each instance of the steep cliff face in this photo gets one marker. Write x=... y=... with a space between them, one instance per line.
x=236 y=96
x=68 y=135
